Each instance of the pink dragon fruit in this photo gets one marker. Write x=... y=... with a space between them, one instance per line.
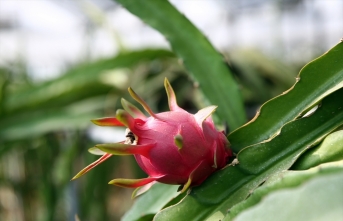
x=173 y=147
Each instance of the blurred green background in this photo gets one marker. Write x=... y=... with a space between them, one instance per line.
x=63 y=63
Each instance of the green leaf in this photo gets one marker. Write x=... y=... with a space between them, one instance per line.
x=319 y=199
x=286 y=179
x=151 y=202
x=198 y=55
x=71 y=100
x=331 y=149
x=148 y=217
x=84 y=81
x=316 y=80
x=227 y=187
x=42 y=122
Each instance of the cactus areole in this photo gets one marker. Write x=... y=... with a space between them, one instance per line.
x=173 y=147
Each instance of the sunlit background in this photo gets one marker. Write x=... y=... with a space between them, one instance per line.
x=63 y=63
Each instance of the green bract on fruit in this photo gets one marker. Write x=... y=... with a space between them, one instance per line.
x=173 y=147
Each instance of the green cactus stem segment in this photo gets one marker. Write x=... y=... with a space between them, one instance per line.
x=132 y=183
x=125 y=149
x=132 y=109
x=171 y=96
x=204 y=113
x=92 y=165
x=178 y=140
x=108 y=121
x=142 y=102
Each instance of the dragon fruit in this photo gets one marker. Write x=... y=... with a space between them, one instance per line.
x=173 y=147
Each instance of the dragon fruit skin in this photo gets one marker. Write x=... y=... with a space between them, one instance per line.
x=173 y=147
